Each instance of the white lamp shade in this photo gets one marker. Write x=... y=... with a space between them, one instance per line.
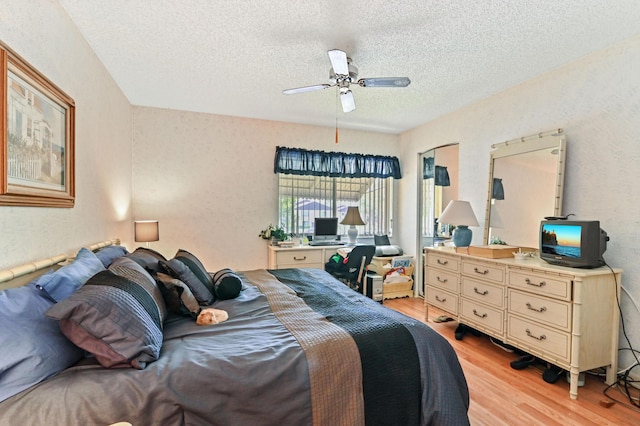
x=352 y=217
x=146 y=230
x=458 y=213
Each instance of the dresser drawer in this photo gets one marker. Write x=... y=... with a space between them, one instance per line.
x=444 y=279
x=483 y=292
x=549 y=311
x=444 y=262
x=540 y=283
x=535 y=337
x=442 y=299
x=299 y=258
x=489 y=272
x=483 y=315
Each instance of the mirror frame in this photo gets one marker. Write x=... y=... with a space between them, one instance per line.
x=540 y=141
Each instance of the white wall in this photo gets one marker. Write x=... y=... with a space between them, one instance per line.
x=597 y=102
x=42 y=33
x=209 y=179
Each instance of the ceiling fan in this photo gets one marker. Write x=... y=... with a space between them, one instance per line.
x=343 y=74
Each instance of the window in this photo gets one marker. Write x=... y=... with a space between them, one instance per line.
x=303 y=198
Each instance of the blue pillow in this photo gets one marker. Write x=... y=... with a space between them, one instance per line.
x=109 y=253
x=33 y=347
x=66 y=280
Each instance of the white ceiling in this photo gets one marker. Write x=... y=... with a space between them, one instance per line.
x=235 y=57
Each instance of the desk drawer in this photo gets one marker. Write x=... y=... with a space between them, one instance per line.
x=538 y=338
x=491 y=318
x=444 y=279
x=554 y=313
x=546 y=285
x=443 y=300
x=443 y=262
x=299 y=258
x=483 y=292
x=485 y=271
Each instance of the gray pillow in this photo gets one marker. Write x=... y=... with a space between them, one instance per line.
x=181 y=271
x=177 y=296
x=114 y=318
x=147 y=258
x=227 y=284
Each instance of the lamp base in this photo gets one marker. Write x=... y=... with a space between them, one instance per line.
x=352 y=232
x=462 y=236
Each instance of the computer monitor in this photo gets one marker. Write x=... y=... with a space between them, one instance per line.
x=325 y=229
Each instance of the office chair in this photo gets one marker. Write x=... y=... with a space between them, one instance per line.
x=352 y=273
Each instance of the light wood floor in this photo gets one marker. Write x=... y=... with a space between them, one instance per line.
x=501 y=395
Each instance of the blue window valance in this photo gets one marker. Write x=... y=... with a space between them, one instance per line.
x=298 y=161
x=431 y=171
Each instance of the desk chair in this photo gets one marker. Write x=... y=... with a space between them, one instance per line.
x=352 y=273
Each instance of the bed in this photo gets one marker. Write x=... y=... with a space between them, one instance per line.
x=298 y=348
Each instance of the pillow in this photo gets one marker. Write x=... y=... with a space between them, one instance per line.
x=147 y=258
x=196 y=267
x=129 y=269
x=109 y=253
x=113 y=318
x=181 y=271
x=226 y=284
x=33 y=348
x=177 y=296
x=71 y=277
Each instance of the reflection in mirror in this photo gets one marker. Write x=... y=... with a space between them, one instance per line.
x=525 y=185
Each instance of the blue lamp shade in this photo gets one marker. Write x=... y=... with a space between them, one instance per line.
x=460 y=214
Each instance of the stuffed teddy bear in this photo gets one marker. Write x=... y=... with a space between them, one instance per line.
x=209 y=316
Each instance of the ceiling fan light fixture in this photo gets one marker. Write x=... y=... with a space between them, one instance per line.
x=347 y=100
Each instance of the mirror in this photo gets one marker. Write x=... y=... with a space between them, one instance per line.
x=526 y=179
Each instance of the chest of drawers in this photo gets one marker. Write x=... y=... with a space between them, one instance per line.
x=565 y=316
x=300 y=256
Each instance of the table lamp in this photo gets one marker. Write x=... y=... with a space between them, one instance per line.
x=146 y=231
x=460 y=214
x=352 y=218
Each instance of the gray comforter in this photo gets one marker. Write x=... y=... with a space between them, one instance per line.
x=299 y=348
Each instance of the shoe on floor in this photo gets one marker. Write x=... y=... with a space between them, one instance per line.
x=443 y=318
x=523 y=362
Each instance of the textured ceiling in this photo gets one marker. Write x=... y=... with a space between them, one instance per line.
x=235 y=57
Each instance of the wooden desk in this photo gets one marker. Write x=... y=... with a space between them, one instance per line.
x=303 y=256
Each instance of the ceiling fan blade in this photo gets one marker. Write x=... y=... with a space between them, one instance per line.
x=339 y=62
x=347 y=100
x=385 y=82
x=306 y=89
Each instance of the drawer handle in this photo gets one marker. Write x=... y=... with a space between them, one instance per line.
x=479 y=315
x=531 y=308
x=442 y=262
x=481 y=293
x=442 y=280
x=530 y=334
x=300 y=258
x=540 y=284
x=440 y=300
x=485 y=272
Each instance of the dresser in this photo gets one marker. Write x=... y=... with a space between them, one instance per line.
x=302 y=256
x=566 y=316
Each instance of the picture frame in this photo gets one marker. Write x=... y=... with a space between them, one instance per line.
x=37 y=158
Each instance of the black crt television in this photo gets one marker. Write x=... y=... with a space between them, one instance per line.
x=573 y=243
x=325 y=229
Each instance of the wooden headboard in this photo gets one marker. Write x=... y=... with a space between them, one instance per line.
x=23 y=274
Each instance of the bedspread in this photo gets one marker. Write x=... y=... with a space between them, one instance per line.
x=297 y=349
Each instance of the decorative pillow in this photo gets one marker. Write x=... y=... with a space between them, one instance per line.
x=147 y=258
x=226 y=284
x=66 y=280
x=131 y=270
x=196 y=267
x=109 y=253
x=181 y=271
x=33 y=348
x=177 y=296
x=113 y=318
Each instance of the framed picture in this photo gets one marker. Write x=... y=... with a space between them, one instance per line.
x=37 y=136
